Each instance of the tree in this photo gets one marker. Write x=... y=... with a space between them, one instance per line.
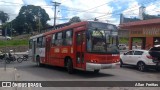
x=74 y=19
x=30 y=18
x=3 y=17
x=96 y=19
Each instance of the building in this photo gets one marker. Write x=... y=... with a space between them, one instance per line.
x=147 y=30
x=141 y=12
x=123 y=33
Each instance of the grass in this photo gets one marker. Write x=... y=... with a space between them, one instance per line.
x=126 y=40
x=21 y=42
x=123 y=40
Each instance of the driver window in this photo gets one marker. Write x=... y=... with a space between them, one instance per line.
x=98 y=44
x=138 y=53
x=129 y=53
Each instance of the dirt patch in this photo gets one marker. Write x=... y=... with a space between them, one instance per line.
x=14 y=48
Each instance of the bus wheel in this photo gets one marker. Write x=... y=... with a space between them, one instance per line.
x=96 y=71
x=69 y=66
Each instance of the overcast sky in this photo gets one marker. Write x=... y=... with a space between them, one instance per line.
x=104 y=10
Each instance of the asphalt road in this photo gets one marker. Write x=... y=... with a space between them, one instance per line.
x=28 y=71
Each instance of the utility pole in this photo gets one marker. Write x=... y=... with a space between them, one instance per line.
x=55 y=7
x=39 y=31
x=11 y=29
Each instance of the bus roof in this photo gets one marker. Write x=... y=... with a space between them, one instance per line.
x=34 y=37
x=64 y=28
x=67 y=27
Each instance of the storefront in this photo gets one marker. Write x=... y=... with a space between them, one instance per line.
x=146 y=30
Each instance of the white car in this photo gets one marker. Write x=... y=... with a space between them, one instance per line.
x=8 y=38
x=122 y=46
x=142 y=59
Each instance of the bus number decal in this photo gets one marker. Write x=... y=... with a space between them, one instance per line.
x=71 y=49
x=64 y=50
x=56 y=50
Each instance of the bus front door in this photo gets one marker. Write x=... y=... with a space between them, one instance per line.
x=80 y=48
x=34 y=50
x=48 y=45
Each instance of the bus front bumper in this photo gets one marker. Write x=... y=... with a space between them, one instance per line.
x=95 y=66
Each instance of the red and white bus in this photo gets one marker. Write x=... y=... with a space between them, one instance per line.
x=85 y=45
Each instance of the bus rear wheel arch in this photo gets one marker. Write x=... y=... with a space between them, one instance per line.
x=69 y=65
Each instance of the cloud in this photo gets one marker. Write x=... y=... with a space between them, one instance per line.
x=90 y=9
x=104 y=10
x=132 y=10
x=153 y=8
x=11 y=7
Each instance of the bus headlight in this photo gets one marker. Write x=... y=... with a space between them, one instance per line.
x=93 y=61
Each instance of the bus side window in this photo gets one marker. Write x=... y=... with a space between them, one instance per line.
x=83 y=37
x=59 y=39
x=53 y=39
x=39 y=42
x=43 y=41
x=68 y=37
x=78 y=39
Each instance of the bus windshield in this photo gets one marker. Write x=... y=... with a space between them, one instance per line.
x=101 y=40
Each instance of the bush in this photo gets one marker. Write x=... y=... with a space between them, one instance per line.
x=13 y=42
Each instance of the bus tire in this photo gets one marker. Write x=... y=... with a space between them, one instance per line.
x=96 y=71
x=69 y=66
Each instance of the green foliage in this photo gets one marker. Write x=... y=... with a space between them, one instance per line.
x=74 y=19
x=126 y=40
x=3 y=17
x=137 y=40
x=30 y=19
x=13 y=42
x=123 y=40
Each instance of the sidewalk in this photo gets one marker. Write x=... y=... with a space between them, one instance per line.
x=8 y=75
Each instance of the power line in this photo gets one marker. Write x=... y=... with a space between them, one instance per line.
x=82 y=11
x=10 y=2
x=119 y=13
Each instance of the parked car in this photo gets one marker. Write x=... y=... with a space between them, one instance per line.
x=142 y=59
x=8 y=38
x=5 y=37
x=122 y=46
